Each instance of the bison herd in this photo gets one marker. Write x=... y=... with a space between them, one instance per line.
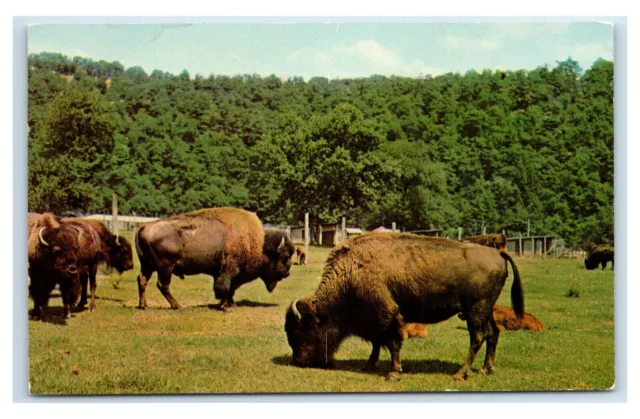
x=382 y=287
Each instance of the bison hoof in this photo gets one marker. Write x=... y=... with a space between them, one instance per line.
x=176 y=306
x=142 y=307
x=486 y=370
x=393 y=376
x=460 y=377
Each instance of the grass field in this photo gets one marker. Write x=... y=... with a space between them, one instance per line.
x=119 y=349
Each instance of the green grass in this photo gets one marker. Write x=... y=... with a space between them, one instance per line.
x=121 y=350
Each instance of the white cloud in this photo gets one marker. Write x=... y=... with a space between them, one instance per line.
x=378 y=59
x=469 y=44
x=370 y=51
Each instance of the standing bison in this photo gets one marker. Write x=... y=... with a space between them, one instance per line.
x=599 y=255
x=99 y=246
x=302 y=255
x=497 y=241
x=229 y=244
x=374 y=284
x=53 y=247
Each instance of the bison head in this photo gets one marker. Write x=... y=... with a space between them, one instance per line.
x=278 y=251
x=121 y=254
x=54 y=245
x=309 y=336
x=590 y=263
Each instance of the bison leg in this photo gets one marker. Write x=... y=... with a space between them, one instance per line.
x=492 y=333
x=394 y=341
x=374 y=357
x=222 y=286
x=84 y=282
x=93 y=270
x=476 y=339
x=143 y=279
x=604 y=264
x=164 y=281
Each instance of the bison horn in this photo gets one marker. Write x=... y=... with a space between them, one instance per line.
x=41 y=238
x=281 y=245
x=118 y=239
x=295 y=309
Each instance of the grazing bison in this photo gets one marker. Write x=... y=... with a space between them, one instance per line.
x=229 y=244
x=114 y=251
x=498 y=241
x=599 y=255
x=53 y=247
x=506 y=319
x=373 y=284
x=302 y=255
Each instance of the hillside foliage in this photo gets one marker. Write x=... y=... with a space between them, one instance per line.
x=490 y=149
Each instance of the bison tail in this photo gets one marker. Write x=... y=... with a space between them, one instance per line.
x=517 y=294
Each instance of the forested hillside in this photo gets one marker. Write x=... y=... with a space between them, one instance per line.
x=484 y=149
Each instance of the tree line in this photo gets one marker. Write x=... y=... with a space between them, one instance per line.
x=490 y=149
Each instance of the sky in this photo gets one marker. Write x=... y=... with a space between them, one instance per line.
x=333 y=50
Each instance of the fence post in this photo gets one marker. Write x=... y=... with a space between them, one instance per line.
x=520 y=245
x=393 y=226
x=114 y=213
x=484 y=230
x=306 y=235
x=344 y=229
x=459 y=233
x=533 y=247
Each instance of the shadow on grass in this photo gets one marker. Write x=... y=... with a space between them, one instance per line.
x=117 y=300
x=248 y=303
x=409 y=366
x=54 y=315
x=241 y=303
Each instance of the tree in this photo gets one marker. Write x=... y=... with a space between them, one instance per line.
x=73 y=144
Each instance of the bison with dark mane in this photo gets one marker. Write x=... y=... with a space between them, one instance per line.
x=53 y=247
x=599 y=255
x=374 y=284
x=112 y=250
x=497 y=241
x=229 y=244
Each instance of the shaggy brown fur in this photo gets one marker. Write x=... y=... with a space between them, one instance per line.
x=32 y=219
x=374 y=283
x=302 y=255
x=229 y=244
x=497 y=241
x=52 y=249
x=599 y=255
x=414 y=330
x=506 y=319
x=99 y=246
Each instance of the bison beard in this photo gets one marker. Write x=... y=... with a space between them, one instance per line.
x=229 y=244
x=374 y=284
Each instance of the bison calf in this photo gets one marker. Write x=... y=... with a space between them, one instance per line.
x=374 y=284
x=302 y=255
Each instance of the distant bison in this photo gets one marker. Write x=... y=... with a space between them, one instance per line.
x=302 y=255
x=498 y=241
x=506 y=319
x=105 y=247
x=53 y=247
x=373 y=284
x=599 y=255
x=229 y=244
